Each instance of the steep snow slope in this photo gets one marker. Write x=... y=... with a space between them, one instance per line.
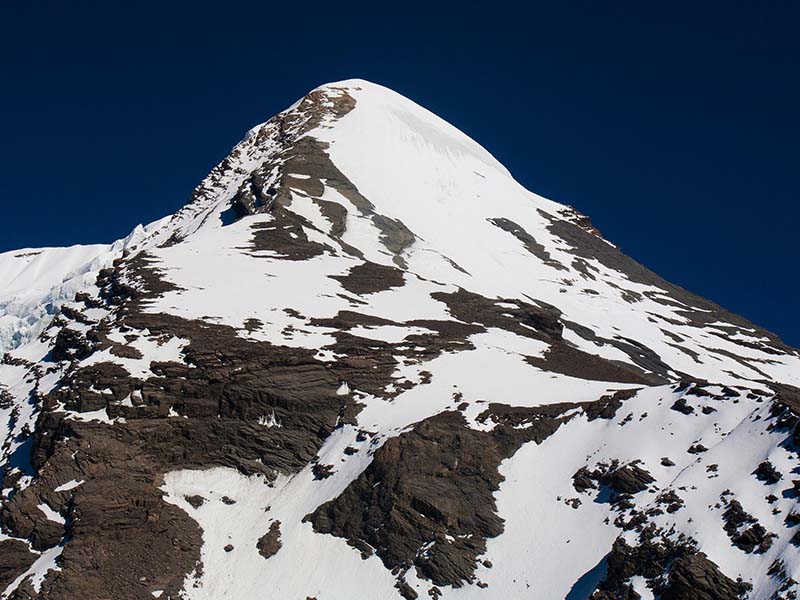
x=363 y=361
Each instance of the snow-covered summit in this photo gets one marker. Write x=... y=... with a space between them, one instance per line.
x=362 y=345
x=375 y=171
x=383 y=114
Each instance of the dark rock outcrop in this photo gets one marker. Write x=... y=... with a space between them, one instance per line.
x=426 y=500
x=15 y=558
x=695 y=577
x=269 y=544
x=675 y=571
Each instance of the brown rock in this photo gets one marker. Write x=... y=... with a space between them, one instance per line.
x=269 y=544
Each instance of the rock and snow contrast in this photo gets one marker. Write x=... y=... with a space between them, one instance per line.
x=364 y=362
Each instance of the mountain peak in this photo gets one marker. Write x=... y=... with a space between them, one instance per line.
x=362 y=343
x=396 y=118
x=354 y=84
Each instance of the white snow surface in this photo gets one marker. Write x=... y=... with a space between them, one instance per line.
x=70 y=485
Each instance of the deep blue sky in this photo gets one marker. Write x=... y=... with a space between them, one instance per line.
x=675 y=128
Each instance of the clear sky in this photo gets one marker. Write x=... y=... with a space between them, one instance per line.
x=674 y=126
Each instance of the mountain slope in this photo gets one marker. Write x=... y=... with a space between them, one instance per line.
x=363 y=361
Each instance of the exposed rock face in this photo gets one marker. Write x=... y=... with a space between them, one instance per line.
x=695 y=577
x=625 y=479
x=676 y=570
x=15 y=558
x=426 y=498
x=370 y=278
x=363 y=343
x=745 y=531
x=123 y=539
x=269 y=544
